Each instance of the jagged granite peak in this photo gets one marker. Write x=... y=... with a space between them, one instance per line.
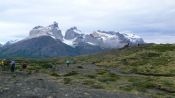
x=133 y=39
x=93 y=40
x=54 y=25
x=51 y=30
x=73 y=33
x=112 y=39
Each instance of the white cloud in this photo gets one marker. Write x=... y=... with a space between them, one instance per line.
x=139 y=16
x=10 y=30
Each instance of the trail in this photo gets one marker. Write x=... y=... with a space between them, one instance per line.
x=118 y=72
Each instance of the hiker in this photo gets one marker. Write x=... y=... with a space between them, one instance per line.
x=127 y=45
x=2 y=64
x=138 y=44
x=5 y=64
x=68 y=63
x=12 y=66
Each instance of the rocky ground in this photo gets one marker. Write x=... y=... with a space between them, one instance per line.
x=39 y=85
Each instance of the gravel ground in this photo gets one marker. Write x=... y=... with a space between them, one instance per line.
x=37 y=85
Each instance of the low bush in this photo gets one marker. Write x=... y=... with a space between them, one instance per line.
x=55 y=74
x=93 y=84
x=71 y=73
x=67 y=80
x=91 y=76
x=80 y=67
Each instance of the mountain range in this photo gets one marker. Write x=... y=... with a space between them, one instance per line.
x=50 y=42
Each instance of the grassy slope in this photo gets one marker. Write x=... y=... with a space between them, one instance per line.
x=156 y=62
x=148 y=59
x=148 y=69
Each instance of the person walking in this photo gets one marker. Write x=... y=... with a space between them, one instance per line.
x=67 y=63
x=12 y=66
x=2 y=65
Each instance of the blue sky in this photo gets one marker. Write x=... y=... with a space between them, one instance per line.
x=153 y=20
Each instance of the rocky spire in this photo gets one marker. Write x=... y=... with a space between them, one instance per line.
x=51 y=30
x=72 y=33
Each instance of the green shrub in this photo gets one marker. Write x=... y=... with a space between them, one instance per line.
x=126 y=88
x=113 y=75
x=71 y=73
x=80 y=67
x=102 y=71
x=93 y=84
x=14 y=75
x=142 y=84
x=55 y=74
x=67 y=80
x=97 y=86
x=106 y=79
x=168 y=82
x=88 y=82
x=29 y=72
x=46 y=65
x=91 y=76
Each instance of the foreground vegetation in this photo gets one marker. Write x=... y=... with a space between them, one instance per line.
x=147 y=69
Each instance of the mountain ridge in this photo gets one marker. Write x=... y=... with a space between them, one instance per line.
x=49 y=42
x=74 y=36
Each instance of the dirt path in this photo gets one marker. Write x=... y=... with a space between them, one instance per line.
x=23 y=85
x=118 y=72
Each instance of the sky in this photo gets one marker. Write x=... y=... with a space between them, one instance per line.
x=153 y=20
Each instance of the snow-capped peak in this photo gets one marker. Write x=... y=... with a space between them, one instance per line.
x=51 y=30
x=133 y=38
x=75 y=29
x=110 y=39
x=54 y=25
x=73 y=33
x=69 y=42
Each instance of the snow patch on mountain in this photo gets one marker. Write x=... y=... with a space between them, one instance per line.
x=69 y=42
x=130 y=35
x=103 y=35
x=91 y=43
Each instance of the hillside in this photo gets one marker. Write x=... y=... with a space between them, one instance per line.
x=37 y=47
x=150 y=58
x=146 y=70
